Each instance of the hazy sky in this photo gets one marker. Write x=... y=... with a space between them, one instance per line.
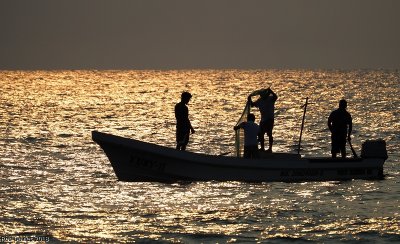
x=170 y=34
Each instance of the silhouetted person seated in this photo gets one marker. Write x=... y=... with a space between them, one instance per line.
x=266 y=105
x=340 y=124
x=183 y=125
x=251 y=131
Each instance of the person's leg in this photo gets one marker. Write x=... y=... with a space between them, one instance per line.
x=261 y=140
x=261 y=135
x=182 y=139
x=269 y=127
x=185 y=141
x=246 y=152
x=343 y=152
x=335 y=146
x=254 y=152
x=343 y=146
x=178 y=139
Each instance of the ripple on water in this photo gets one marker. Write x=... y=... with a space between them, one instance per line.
x=56 y=182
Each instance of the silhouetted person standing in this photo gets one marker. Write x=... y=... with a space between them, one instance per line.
x=340 y=124
x=266 y=105
x=183 y=125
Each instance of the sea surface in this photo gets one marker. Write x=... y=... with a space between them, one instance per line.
x=57 y=185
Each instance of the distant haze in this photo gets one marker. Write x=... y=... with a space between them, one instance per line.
x=188 y=34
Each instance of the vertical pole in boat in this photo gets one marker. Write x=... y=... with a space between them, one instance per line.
x=302 y=124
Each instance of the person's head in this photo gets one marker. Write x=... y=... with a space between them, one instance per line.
x=251 y=117
x=343 y=104
x=185 y=97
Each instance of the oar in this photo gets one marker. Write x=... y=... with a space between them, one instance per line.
x=352 y=149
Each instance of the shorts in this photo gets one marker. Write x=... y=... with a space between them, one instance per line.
x=182 y=136
x=266 y=127
x=250 y=152
x=338 y=143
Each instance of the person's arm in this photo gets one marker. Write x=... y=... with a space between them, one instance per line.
x=250 y=101
x=238 y=126
x=350 y=128
x=330 y=122
x=188 y=120
x=274 y=96
x=190 y=125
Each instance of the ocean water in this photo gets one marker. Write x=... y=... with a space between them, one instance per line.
x=57 y=185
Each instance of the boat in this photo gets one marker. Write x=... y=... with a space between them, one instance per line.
x=138 y=161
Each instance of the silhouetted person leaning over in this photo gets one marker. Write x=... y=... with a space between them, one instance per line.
x=340 y=124
x=251 y=131
x=183 y=125
x=266 y=105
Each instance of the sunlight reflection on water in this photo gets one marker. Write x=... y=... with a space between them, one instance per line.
x=56 y=182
